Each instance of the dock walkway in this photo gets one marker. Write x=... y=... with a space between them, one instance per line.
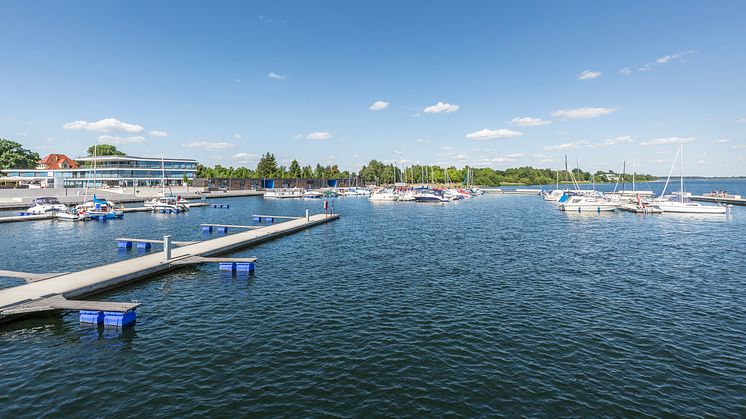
x=719 y=200
x=90 y=281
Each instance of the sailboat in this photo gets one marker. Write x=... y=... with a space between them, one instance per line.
x=99 y=209
x=167 y=202
x=679 y=203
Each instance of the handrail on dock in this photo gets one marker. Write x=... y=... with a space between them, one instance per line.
x=283 y=217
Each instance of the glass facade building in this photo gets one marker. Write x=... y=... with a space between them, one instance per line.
x=113 y=171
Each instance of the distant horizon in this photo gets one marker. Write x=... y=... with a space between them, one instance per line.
x=487 y=84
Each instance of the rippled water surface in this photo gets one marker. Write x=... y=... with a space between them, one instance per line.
x=496 y=305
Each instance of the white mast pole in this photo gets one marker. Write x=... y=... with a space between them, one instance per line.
x=681 y=173
x=670 y=172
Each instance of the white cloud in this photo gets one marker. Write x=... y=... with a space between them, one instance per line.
x=379 y=105
x=22 y=134
x=237 y=136
x=565 y=146
x=273 y=75
x=244 y=157
x=668 y=58
x=159 y=133
x=589 y=74
x=614 y=141
x=625 y=71
x=669 y=140
x=741 y=120
x=104 y=125
x=487 y=134
x=446 y=147
x=528 y=121
x=441 y=107
x=298 y=137
x=720 y=141
x=736 y=147
x=665 y=60
x=582 y=113
x=422 y=141
x=319 y=135
x=110 y=139
x=503 y=160
x=207 y=145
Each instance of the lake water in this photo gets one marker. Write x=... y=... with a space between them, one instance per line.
x=494 y=305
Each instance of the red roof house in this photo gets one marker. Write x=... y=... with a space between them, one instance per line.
x=57 y=161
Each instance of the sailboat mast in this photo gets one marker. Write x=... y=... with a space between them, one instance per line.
x=673 y=166
x=681 y=173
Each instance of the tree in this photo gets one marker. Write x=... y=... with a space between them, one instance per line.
x=267 y=166
x=14 y=156
x=104 y=150
x=294 y=170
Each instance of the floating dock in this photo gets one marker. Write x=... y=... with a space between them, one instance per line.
x=41 y=217
x=719 y=200
x=59 y=290
x=512 y=191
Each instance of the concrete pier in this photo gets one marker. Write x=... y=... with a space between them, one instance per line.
x=36 y=296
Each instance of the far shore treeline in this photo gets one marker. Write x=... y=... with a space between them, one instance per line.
x=14 y=156
x=382 y=173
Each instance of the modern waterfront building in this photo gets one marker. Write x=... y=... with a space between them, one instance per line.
x=111 y=171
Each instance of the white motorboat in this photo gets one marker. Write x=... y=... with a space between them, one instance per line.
x=72 y=215
x=46 y=204
x=384 y=195
x=312 y=195
x=355 y=191
x=284 y=193
x=167 y=203
x=584 y=203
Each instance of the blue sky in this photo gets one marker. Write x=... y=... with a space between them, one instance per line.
x=496 y=84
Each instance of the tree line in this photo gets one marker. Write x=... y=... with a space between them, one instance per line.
x=14 y=156
x=267 y=168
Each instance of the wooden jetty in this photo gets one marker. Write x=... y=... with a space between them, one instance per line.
x=60 y=291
